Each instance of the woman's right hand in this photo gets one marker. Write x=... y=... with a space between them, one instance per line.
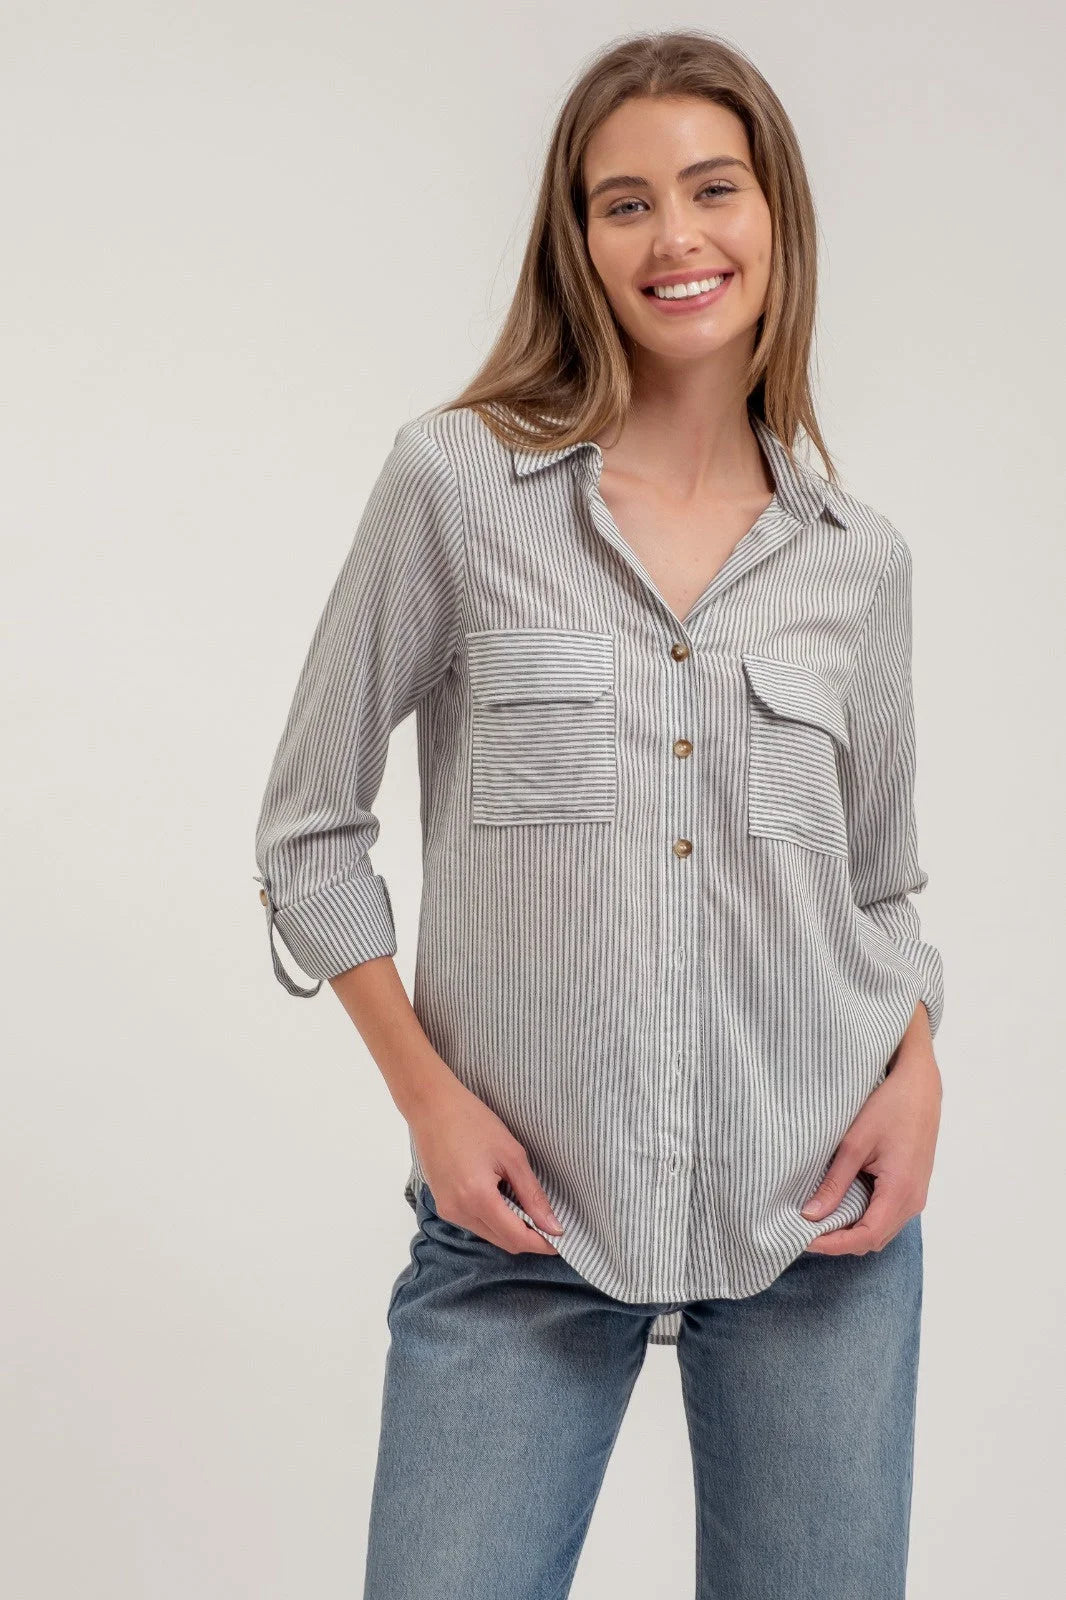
x=464 y=1150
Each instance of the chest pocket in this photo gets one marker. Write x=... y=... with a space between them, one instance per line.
x=544 y=744
x=796 y=726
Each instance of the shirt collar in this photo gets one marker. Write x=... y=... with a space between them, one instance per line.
x=804 y=493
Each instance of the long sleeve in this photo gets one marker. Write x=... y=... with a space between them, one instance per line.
x=877 y=776
x=389 y=630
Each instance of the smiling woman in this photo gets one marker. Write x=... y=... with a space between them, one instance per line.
x=668 y=1070
x=662 y=133
x=624 y=213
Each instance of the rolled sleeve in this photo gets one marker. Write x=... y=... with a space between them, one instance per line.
x=877 y=775
x=386 y=636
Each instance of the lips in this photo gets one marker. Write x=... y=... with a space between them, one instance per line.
x=686 y=305
x=671 y=283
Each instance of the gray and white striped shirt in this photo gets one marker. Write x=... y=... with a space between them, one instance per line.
x=665 y=930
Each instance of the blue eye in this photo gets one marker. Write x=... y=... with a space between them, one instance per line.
x=717 y=188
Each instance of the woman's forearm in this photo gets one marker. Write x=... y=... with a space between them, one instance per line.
x=374 y=997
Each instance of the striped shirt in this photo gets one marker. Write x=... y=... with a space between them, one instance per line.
x=665 y=931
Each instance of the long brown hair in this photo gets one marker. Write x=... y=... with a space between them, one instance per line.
x=559 y=369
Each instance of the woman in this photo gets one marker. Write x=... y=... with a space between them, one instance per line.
x=668 y=1072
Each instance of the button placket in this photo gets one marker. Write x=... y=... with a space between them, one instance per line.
x=681 y=907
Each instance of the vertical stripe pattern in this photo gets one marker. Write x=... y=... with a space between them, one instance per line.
x=666 y=930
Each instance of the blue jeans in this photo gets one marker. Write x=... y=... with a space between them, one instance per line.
x=507 y=1378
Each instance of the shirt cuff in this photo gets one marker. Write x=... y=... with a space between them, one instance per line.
x=895 y=921
x=332 y=930
x=929 y=964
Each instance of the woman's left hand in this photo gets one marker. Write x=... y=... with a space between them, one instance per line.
x=894 y=1138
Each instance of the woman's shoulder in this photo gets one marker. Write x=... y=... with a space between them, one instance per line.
x=460 y=433
x=872 y=535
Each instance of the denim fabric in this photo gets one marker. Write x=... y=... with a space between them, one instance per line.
x=507 y=1378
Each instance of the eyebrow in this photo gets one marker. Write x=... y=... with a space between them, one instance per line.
x=696 y=170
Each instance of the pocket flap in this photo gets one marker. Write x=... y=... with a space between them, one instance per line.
x=795 y=691
x=515 y=664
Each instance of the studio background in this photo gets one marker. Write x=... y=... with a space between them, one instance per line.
x=243 y=243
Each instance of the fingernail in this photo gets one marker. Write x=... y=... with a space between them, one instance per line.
x=811 y=1209
x=556 y=1225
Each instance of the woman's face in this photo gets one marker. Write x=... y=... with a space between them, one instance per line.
x=652 y=216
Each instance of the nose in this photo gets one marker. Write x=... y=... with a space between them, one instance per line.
x=678 y=233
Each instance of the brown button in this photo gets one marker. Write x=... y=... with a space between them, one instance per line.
x=682 y=747
x=682 y=847
x=679 y=651
x=264 y=899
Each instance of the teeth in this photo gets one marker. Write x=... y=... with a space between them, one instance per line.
x=679 y=291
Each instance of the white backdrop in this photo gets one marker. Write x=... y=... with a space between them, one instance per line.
x=243 y=243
